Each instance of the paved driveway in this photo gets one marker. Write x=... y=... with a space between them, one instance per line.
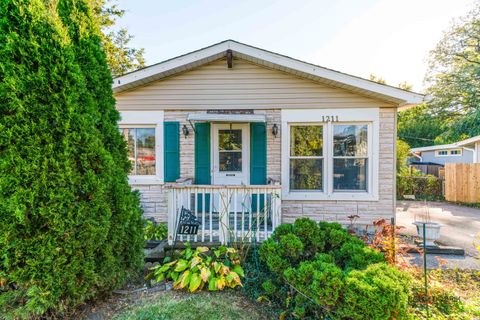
x=461 y=225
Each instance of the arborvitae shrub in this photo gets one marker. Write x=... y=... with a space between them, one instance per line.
x=332 y=274
x=70 y=226
x=378 y=292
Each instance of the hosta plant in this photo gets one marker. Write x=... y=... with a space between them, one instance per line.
x=195 y=269
x=154 y=231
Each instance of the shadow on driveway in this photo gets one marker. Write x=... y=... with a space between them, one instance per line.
x=461 y=225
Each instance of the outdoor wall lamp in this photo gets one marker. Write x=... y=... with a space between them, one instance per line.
x=275 y=130
x=185 y=131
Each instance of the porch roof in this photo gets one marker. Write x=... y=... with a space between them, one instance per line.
x=213 y=117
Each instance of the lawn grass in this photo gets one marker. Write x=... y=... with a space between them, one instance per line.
x=173 y=305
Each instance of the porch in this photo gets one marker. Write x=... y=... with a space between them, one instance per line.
x=227 y=213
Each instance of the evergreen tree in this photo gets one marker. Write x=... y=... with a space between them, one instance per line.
x=71 y=228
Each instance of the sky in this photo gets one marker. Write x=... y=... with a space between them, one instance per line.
x=388 y=38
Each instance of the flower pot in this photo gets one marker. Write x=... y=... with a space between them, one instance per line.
x=432 y=232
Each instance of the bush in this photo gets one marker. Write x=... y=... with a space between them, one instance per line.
x=193 y=269
x=377 y=292
x=154 y=231
x=411 y=181
x=320 y=270
x=70 y=227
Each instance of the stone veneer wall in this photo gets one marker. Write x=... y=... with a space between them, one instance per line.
x=154 y=197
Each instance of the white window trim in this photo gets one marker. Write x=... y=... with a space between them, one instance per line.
x=323 y=156
x=147 y=119
x=449 y=153
x=370 y=116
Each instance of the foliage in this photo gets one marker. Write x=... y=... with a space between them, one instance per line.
x=403 y=150
x=193 y=269
x=377 y=292
x=452 y=294
x=419 y=126
x=121 y=58
x=319 y=269
x=154 y=231
x=454 y=75
x=411 y=181
x=453 y=80
x=71 y=227
x=387 y=240
x=377 y=79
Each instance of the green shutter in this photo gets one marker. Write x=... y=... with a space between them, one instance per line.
x=202 y=153
x=258 y=153
x=202 y=161
x=258 y=160
x=171 y=149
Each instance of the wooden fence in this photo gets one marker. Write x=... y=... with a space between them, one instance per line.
x=462 y=182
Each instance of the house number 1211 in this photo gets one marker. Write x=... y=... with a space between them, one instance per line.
x=329 y=118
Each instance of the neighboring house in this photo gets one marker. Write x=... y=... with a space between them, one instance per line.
x=248 y=138
x=465 y=151
x=473 y=145
x=441 y=154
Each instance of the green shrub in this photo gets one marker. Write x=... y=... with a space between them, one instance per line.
x=355 y=255
x=193 y=269
x=155 y=231
x=411 y=181
x=378 y=292
x=70 y=227
x=320 y=270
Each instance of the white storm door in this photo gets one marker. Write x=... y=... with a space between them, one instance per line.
x=231 y=154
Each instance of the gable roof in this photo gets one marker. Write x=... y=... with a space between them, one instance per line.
x=455 y=145
x=436 y=147
x=268 y=59
x=468 y=141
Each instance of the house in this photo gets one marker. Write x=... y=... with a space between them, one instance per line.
x=247 y=139
x=428 y=158
x=472 y=145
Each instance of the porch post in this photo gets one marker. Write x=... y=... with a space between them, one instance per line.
x=224 y=211
x=171 y=216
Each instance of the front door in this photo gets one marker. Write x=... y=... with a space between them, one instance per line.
x=231 y=154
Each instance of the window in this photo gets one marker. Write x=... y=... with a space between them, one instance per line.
x=456 y=152
x=350 y=157
x=141 y=150
x=306 y=157
x=446 y=153
x=230 y=150
x=333 y=154
x=442 y=153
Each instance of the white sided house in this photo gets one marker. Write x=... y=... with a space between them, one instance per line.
x=247 y=139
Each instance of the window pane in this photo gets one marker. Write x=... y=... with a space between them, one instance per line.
x=146 y=151
x=306 y=174
x=128 y=135
x=230 y=140
x=350 y=140
x=306 y=141
x=350 y=174
x=230 y=161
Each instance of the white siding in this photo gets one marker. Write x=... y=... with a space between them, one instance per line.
x=246 y=86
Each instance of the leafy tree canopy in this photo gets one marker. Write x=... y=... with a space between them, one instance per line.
x=419 y=126
x=121 y=57
x=454 y=78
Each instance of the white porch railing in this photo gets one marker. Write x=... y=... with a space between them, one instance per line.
x=227 y=213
